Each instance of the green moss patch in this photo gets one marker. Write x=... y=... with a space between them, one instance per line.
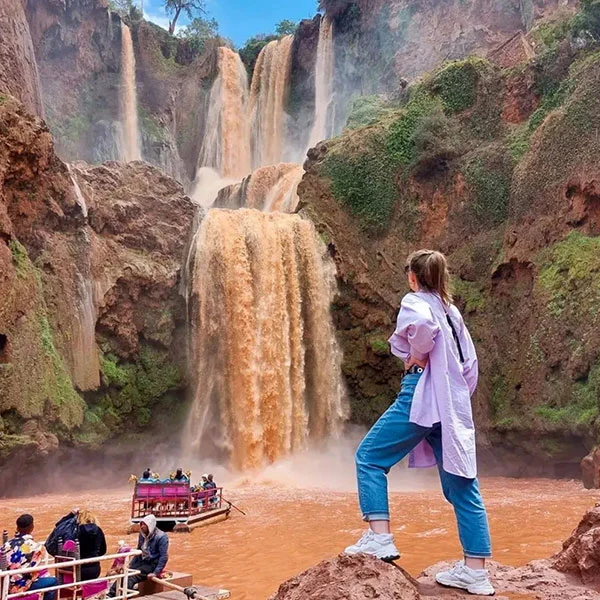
x=367 y=110
x=570 y=274
x=20 y=258
x=456 y=83
x=488 y=176
x=469 y=293
x=578 y=411
x=134 y=390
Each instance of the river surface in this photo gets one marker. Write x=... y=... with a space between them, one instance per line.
x=287 y=529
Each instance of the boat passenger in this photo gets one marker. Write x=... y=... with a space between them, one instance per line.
x=211 y=485
x=146 y=476
x=23 y=552
x=154 y=545
x=180 y=476
x=431 y=420
x=92 y=543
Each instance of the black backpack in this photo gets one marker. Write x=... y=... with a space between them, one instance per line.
x=66 y=529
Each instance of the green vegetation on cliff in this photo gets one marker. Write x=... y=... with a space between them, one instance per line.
x=422 y=138
x=131 y=392
x=570 y=274
x=488 y=175
x=41 y=386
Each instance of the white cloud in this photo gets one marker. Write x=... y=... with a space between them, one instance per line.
x=161 y=21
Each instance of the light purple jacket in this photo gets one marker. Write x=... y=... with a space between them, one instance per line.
x=443 y=394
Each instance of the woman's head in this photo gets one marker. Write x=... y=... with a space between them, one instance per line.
x=85 y=517
x=428 y=270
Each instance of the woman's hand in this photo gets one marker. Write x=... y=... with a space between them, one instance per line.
x=419 y=362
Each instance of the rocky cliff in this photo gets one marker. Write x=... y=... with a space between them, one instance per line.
x=18 y=68
x=91 y=321
x=78 y=50
x=496 y=168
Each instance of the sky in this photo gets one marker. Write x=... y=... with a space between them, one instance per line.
x=240 y=19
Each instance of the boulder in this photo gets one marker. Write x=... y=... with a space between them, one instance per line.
x=590 y=469
x=350 y=578
x=581 y=551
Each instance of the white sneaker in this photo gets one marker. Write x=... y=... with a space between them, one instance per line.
x=380 y=545
x=475 y=581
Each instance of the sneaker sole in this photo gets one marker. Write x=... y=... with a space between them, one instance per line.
x=389 y=559
x=465 y=588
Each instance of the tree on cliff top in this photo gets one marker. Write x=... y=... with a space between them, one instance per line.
x=286 y=27
x=193 y=9
x=198 y=32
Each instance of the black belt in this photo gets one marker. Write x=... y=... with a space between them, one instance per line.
x=415 y=369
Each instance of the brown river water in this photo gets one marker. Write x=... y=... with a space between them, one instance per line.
x=288 y=529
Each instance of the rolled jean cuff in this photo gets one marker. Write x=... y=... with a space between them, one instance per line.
x=477 y=554
x=380 y=516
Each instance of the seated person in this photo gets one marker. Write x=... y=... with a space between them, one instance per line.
x=180 y=476
x=92 y=543
x=154 y=545
x=23 y=552
x=211 y=485
x=147 y=476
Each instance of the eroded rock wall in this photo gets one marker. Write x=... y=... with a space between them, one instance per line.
x=92 y=322
x=514 y=206
x=18 y=69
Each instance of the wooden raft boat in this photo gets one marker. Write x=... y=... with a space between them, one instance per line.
x=177 y=506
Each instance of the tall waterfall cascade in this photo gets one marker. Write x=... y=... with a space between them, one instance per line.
x=265 y=363
x=266 y=110
x=130 y=146
x=324 y=71
x=264 y=350
x=226 y=144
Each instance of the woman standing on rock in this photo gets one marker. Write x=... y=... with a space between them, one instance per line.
x=431 y=419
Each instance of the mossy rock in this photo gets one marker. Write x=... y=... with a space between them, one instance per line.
x=569 y=276
x=487 y=173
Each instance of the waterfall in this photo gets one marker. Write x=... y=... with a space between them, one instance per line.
x=129 y=116
x=264 y=351
x=86 y=364
x=271 y=188
x=226 y=144
x=270 y=84
x=322 y=126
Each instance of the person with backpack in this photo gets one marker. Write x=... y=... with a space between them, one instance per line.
x=154 y=545
x=432 y=421
x=23 y=552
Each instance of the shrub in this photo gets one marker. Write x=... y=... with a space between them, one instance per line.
x=400 y=143
x=366 y=110
x=435 y=143
x=365 y=183
x=456 y=84
x=587 y=21
x=488 y=178
x=570 y=274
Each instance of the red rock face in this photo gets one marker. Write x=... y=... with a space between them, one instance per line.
x=18 y=69
x=580 y=555
x=350 y=578
x=571 y=575
x=111 y=253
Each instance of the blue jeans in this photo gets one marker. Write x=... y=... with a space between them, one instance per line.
x=387 y=443
x=44 y=582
